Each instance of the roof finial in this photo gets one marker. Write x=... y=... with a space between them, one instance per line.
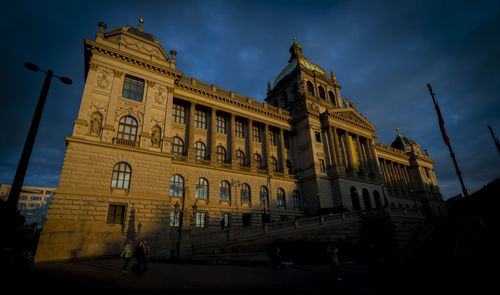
x=397 y=130
x=141 y=21
x=294 y=39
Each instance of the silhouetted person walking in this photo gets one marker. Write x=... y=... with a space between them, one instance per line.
x=333 y=251
x=140 y=255
x=127 y=255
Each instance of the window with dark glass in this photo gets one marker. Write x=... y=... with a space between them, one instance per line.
x=221 y=154
x=177 y=186
x=200 y=151
x=274 y=164
x=264 y=196
x=175 y=218
x=116 y=214
x=202 y=188
x=179 y=113
x=280 y=198
x=240 y=158
x=225 y=220
x=310 y=88
x=238 y=129
x=256 y=133
x=133 y=88
x=318 y=136
x=121 y=176
x=200 y=119
x=177 y=146
x=258 y=161
x=201 y=219
x=245 y=193
x=321 y=92
x=331 y=96
x=296 y=199
x=224 y=191
x=272 y=138
x=127 y=128
x=220 y=124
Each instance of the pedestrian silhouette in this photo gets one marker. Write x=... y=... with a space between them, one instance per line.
x=127 y=255
x=140 y=256
x=332 y=252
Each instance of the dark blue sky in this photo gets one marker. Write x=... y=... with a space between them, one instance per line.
x=382 y=53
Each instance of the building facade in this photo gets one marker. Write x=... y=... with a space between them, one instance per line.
x=33 y=203
x=155 y=153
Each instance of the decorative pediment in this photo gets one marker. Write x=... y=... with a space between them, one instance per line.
x=352 y=117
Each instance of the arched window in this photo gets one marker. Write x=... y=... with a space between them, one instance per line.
x=245 y=193
x=378 y=200
x=225 y=191
x=240 y=158
x=355 y=199
x=200 y=151
x=221 y=154
x=331 y=96
x=296 y=199
x=258 y=161
x=280 y=197
x=366 y=199
x=177 y=146
x=322 y=93
x=264 y=196
x=202 y=188
x=177 y=186
x=310 y=88
x=121 y=176
x=127 y=128
x=274 y=164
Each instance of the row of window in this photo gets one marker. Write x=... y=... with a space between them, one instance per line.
x=177 y=189
x=122 y=174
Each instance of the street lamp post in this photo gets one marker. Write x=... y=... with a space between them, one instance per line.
x=30 y=139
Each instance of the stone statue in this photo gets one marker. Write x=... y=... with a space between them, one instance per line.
x=155 y=137
x=95 y=125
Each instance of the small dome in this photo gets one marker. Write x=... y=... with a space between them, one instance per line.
x=401 y=142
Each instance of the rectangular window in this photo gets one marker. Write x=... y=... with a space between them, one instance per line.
x=238 y=129
x=175 y=218
x=224 y=220
x=272 y=139
x=133 y=88
x=116 y=214
x=246 y=219
x=179 y=114
x=200 y=119
x=201 y=219
x=256 y=134
x=220 y=124
x=318 y=136
x=322 y=167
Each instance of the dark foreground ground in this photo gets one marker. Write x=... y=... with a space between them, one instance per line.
x=104 y=275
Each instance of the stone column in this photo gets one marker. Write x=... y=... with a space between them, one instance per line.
x=337 y=146
x=332 y=144
x=369 y=156
x=232 y=147
x=168 y=121
x=350 y=162
x=282 y=161
x=213 y=136
x=190 y=144
x=265 y=157
x=250 y=145
x=362 y=162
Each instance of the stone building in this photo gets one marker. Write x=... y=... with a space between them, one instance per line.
x=155 y=154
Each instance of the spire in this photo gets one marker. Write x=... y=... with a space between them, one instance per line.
x=268 y=87
x=141 y=21
x=334 y=79
x=296 y=50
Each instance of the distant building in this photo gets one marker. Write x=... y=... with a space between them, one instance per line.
x=157 y=154
x=33 y=203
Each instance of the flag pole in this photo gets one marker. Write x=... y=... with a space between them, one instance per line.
x=447 y=140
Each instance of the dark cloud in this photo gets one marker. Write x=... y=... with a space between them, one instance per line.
x=383 y=54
